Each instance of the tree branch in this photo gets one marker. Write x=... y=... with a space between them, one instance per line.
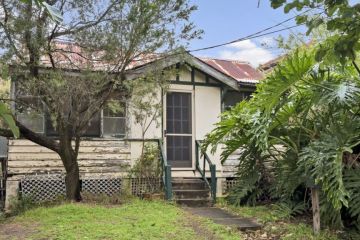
x=356 y=67
x=38 y=138
x=32 y=136
x=88 y=25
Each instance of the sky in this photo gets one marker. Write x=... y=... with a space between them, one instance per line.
x=226 y=20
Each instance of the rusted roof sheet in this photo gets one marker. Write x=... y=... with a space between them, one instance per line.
x=69 y=55
x=243 y=72
x=270 y=65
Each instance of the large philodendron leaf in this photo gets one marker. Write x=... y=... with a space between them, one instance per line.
x=7 y=116
x=346 y=93
x=273 y=90
x=352 y=184
x=323 y=157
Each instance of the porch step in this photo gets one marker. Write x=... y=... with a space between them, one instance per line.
x=194 y=202
x=188 y=184
x=191 y=192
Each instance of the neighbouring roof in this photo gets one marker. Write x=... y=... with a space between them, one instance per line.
x=241 y=71
x=270 y=65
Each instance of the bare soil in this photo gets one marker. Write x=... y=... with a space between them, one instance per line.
x=17 y=231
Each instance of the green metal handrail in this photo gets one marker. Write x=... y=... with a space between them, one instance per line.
x=166 y=168
x=212 y=168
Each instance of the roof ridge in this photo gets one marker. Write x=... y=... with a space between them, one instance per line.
x=224 y=59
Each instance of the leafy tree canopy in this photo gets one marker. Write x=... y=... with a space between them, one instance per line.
x=339 y=16
x=101 y=40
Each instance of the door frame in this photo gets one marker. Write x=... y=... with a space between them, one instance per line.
x=193 y=129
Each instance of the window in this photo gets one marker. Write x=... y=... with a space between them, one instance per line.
x=93 y=129
x=232 y=98
x=114 y=119
x=29 y=113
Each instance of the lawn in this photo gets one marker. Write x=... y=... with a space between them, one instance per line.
x=135 y=220
x=140 y=219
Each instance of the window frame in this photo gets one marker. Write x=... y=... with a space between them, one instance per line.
x=42 y=114
x=46 y=121
x=115 y=135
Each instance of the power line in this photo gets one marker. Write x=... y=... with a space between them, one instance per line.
x=256 y=34
x=261 y=33
x=244 y=38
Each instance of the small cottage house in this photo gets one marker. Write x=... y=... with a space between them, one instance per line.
x=197 y=95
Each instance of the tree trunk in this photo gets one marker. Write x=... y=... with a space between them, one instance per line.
x=72 y=178
x=315 y=209
x=69 y=158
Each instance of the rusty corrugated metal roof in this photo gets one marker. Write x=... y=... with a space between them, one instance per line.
x=71 y=56
x=241 y=71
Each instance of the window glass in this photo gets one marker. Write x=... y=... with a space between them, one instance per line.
x=29 y=113
x=93 y=129
x=232 y=98
x=114 y=120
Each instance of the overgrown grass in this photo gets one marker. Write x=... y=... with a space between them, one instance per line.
x=276 y=224
x=134 y=220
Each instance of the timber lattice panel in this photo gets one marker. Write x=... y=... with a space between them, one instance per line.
x=108 y=186
x=139 y=186
x=47 y=187
x=52 y=186
x=43 y=187
x=229 y=184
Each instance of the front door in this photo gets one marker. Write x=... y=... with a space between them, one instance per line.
x=179 y=129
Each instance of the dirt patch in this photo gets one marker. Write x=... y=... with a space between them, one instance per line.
x=17 y=231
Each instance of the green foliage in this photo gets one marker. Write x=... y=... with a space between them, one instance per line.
x=148 y=165
x=7 y=116
x=300 y=128
x=289 y=209
x=246 y=192
x=351 y=180
x=339 y=17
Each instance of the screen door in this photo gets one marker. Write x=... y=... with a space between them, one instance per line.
x=179 y=129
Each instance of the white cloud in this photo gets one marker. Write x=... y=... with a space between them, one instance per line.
x=247 y=51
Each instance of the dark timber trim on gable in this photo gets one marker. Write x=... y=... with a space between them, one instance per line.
x=195 y=83
x=207 y=82
x=188 y=59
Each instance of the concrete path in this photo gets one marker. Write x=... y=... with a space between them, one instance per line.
x=221 y=216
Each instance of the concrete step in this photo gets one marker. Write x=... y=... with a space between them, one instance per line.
x=194 y=194
x=189 y=202
x=191 y=192
x=189 y=184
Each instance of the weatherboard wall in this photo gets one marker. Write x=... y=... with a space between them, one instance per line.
x=96 y=157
